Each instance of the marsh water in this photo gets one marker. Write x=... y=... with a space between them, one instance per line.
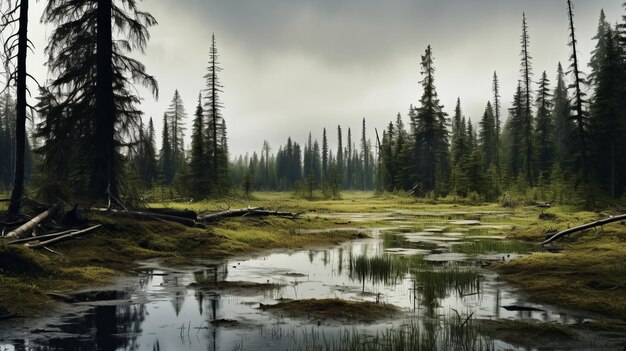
x=433 y=269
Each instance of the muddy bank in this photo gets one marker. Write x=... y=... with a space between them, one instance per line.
x=28 y=275
x=585 y=271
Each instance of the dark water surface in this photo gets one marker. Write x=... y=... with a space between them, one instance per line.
x=436 y=275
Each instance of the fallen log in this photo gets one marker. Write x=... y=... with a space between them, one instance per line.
x=64 y=237
x=226 y=214
x=23 y=230
x=244 y=212
x=146 y=216
x=40 y=237
x=173 y=212
x=583 y=227
x=274 y=213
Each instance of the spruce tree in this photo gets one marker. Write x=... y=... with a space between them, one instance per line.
x=608 y=120
x=544 y=129
x=431 y=135
x=166 y=156
x=563 y=125
x=527 y=126
x=599 y=53
x=94 y=75
x=199 y=164
x=340 y=158
x=365 y=155
x=497 y=110
x=324 y=156
x=216 y=130
x=350 y=163
x=266 y=151
x=515 y=135
x=579 y=113
x=151 y=169
x=176 y=115
x=488 y=138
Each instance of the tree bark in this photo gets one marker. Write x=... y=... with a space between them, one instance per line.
x=20 y=121
x=104 y=167
x=23 y=230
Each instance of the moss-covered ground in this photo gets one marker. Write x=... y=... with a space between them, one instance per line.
x=587 y=273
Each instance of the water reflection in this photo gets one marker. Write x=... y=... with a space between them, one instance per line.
x=216 y=306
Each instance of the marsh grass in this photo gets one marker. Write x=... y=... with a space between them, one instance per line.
x=478 y=247
x=440 y=334
x=385 y=269
x=437 y=283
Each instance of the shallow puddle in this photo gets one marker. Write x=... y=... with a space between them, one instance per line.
x=435 y=277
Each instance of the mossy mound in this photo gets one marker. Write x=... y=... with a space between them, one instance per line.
x=335 y=309
x=18 y=260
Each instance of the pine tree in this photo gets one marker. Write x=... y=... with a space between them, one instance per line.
x=266 y=150
x=316 y=162
x=488 y=138
x=544 y=129
x=527 y=117
x=199 y=164
x=166 y=154
x=430 y=138
x=497 y=110
x=324 y=156
x=608 y=120
x=599 y=53
x=216 y=131
x=94 y=75
x=515 y=134
x=563 y=126
x=365 y=155
x=350 y=163
x=386 y=178
x=579 y=115
x=151 y=169
x=177 y=115
x=340 y=158
x=459 y=136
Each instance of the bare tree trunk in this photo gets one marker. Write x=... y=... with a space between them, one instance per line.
x=104 y=170
x=20 y=122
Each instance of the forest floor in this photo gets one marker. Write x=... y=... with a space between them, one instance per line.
x=587 y=272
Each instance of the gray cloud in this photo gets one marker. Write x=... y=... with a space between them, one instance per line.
x=294 y=66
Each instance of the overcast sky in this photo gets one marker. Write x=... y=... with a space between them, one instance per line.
x=291 y=66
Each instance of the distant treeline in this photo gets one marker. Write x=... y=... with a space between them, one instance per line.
x=563 y=141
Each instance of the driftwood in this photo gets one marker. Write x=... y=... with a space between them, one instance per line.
x=244 y=212
x=64 y=237
x=40 y=237
x=23 y=230
x=583 y=227
x=147 y=216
